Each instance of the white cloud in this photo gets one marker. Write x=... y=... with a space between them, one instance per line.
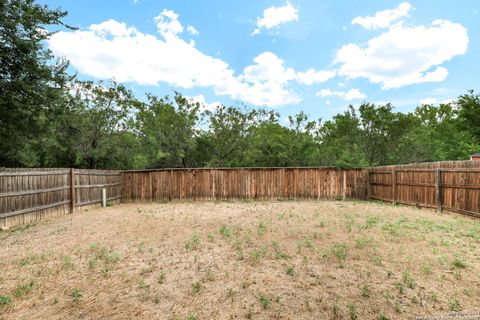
x=192 y=30
x=352 y=94
x=434 y=101
x=428 y=101
x=404 y=55
x=385 y=18
x=275 y=16
x=111 y=49
x=167 y=23
x=204 y=105
x=312 y=76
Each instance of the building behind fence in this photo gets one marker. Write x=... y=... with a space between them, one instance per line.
x=28 y=195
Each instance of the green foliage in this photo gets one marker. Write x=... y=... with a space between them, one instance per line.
x=196 y=287
x=51 y=119
x=265 y=301
x=76 y=294
x=23 y=289
x=4 y=300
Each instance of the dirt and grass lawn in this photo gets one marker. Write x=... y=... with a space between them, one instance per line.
x=242 y=260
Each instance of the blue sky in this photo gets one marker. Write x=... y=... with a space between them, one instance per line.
x=315 y=56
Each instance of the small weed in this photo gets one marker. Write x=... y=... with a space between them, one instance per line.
x=454 y=305
x=4 y=300
x=372 y=221
x=191 y=317
x=76 y=294
x=262 y=228
x=414 y=299
x=230 y=293
x=142 y=284
x=225 y=232
x=283 y=255
x=427 y=270
x=340 y=251
x=257 y=254
x=352 y=309
x=68 y=263
x=265 y=301
x=249 y=314
x=458 y=263
x=308 y=243
x=275 y=245
x=196 y=287
x=336 y=311
x=210 y=237
x=290 y=271
x=193 y=243
x=377 y=260
x=23 y=289
x=23 y=228
x=92 y=263
x=397 y=307
x=408 y=280
x=383 y=317
x=321 y=224
x=365 y=291
x=141 y=247
x=400 y=287
x=434 y=296
x=161 y=277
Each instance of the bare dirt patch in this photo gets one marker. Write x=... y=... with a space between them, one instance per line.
x=237 y=260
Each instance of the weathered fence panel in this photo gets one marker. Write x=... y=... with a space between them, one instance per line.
x=29 y=195
x=449 y=185
x=243 y=183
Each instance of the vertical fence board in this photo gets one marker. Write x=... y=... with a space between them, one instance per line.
x=32 y=194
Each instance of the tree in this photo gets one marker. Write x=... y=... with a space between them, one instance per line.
x=168 y=130
x=94 y=128
x=229 y=132
x=30 y=81
x=469 y=113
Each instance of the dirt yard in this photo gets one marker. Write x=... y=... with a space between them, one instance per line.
x=242 y=260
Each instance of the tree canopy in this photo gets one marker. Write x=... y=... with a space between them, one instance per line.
x=49 y=118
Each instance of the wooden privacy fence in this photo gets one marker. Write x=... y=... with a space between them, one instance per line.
x=28 y=195
x=449 y=185
x=243 y=183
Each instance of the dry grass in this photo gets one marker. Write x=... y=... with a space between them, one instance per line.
x=257 y=260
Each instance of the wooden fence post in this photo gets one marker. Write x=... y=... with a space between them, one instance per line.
x=72 y=190
x=369 y=190
x=344 y=193
x=438 y=189
x=394 y=187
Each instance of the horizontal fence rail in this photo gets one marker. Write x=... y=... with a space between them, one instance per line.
x=29 y=195
x=243 y=183
x=449 y=185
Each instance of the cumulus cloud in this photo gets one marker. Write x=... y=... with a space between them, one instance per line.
x=204 y=105
x=167 y=23
x=275 y=16
x=433 y=101
x=404 y=55
x=112 y=49
x=312 y=76
x=192 y=30
x=352 y=94
x=385 y=18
